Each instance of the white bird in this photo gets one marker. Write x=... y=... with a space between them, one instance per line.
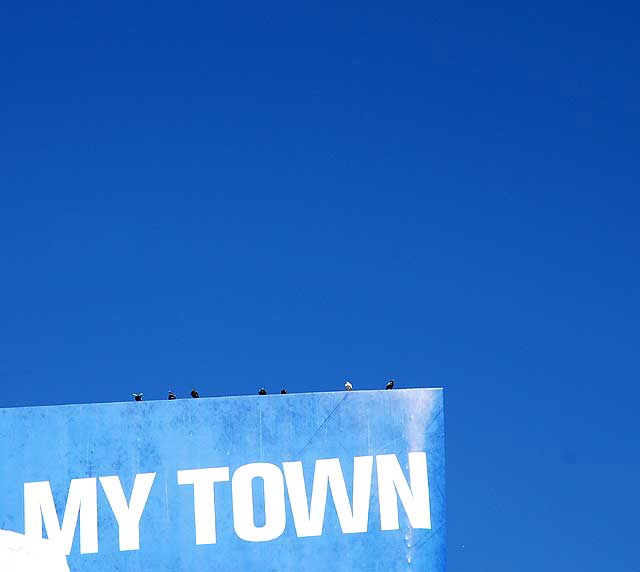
x=348 y=385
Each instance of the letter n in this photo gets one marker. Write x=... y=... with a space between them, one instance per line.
x=414 y=495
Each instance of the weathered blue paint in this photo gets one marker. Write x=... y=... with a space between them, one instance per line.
x=61 y=443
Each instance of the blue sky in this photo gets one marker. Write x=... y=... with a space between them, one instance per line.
x=235 y=195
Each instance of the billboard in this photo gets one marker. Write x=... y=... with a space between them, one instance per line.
x=342 y=481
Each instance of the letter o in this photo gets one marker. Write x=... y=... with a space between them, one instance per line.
x=274 y=507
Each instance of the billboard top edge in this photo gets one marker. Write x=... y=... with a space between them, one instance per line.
x=225 y=397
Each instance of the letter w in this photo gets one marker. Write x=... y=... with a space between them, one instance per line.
x=328 y=474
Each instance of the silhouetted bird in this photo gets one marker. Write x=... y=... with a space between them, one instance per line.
x=194 y=394
x=283 y=391
x=390 y=384
x=137 y=396
x=348 y=385
x=262 y=391
x=171 y=395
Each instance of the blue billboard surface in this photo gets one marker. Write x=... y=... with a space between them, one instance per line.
x=340 y=481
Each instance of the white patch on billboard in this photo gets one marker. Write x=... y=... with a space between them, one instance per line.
x=19 y=553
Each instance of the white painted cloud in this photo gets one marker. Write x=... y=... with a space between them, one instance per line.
x=19 y=553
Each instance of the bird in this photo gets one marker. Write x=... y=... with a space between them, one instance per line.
x=262 y=391
x=348 y=385
x=171 y=395
x=390 y=384
x=137 y=396
x=194 y=394
x=283 y=391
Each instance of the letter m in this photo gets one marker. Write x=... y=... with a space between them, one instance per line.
x=82 y=503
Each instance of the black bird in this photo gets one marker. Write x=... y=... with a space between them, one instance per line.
x=390 y=384
x=262 y=391
x=283 y=391
x=171 y=395
x=194 y=394
x=137 y=396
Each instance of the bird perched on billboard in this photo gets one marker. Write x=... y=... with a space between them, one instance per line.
x=194 y=394
x=390 y=384
x=171 y=395
x=137 y=396
x=283 y=391
x=348 y=386
x=262 y=391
